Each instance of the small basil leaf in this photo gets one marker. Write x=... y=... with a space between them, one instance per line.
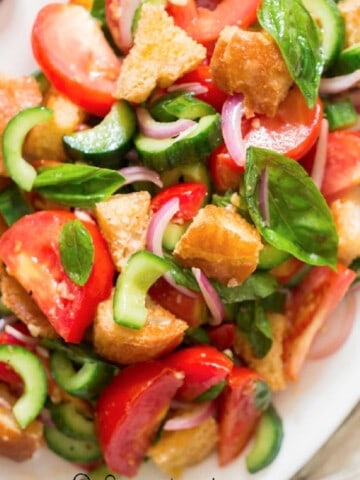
x=98 y=10
x=13 y=204
x=182 y=276
x=258 y=285
x=254 y=324
x=212 y=392
x=299 y=220
x=76 y=251
x=77 y=185
x=299 y=40
x=196 y=335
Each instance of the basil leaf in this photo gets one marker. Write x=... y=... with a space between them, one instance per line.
x=77 y=185
x=254 y=324
x=258 y=285
x=13 y=204
x=300 y=221
x=98 y=10
x=299 y=40
x=76 y=251
x=182 y=276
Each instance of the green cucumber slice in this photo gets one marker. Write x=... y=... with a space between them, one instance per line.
x=71 y=422
x=348 y=61
x=267 y=443
x=271 y=257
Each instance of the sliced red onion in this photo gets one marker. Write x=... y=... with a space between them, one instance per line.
x=45 y=418
x=231 y=115
x=151 y=128
x=8 y=320
x=26 y=339
x=339 y=84
x=264 y=196
x=318 y=169
x=42 y=351
x=196 y=416
x=211 y=297
x=84 y=215
x=140 y=174
x=128 y=9
x=194 y=87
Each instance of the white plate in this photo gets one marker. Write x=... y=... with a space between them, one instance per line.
x=311 y=409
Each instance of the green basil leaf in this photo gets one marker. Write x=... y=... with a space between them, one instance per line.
x=299 y=40
x=76 y=251
x=300 y=221
x=258 y=285
x=77 y=185
x=13 y=204
x=98 y=10
x=182 y=276
x=212 y=392
x=254 y=324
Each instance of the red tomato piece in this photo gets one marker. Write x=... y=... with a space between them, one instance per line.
x=307 y=308
x=30 y=251
x=130 y=410
x=240 y=408
x=192 y=310
x=225 y=173
x=287 y=269
x=203 y=21
x=202 y=74
x=191 y=197
x=222 y=336
x=292 y=131
x=71 y=49
x=342 y=171
x=203 y=366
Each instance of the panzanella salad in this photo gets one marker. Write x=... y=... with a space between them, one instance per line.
x=179 y=183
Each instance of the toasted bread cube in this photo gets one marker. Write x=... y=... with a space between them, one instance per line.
x=350 y=11
x=222 y=244
x=15 y=443
x=271 y=366
x=16 y=94
x=179 y=449
x=123 y=220
x=346 y=213
x=16 y=298
x=251 y=63
x=45 y=140
x=161 y=333
x=161 y=54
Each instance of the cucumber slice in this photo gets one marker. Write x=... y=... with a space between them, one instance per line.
x=179 y=104
x=172 y=235
x=168 y=153
x=71 y=449
x=271 y=257
x=348 y=61
x=267 y=443
x=104 y=144
x=327 y=15
x=71 y=422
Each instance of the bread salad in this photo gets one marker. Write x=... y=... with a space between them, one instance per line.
x=179 y=226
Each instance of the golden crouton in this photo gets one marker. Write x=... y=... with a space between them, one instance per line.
x=123 y=220
x=15 y=443
x=45 y=140
x=270 y=367
x=15 y=297
x=251 y=63
x=15 y=95
x=162 y=53
x=179 y=449
x=350 y=11
x=346 y=213
x=161 y=333
x=222 y=244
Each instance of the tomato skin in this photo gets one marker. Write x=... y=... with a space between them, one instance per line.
x=30 y=251
x=129 y=411
x=307 y=309
x=202 y=74
x=238 y=414
x=192 y=310
x=222 y=336
x=70 y=48
x=225 y=173
x=342 y=171
x=191 y=197
x=204 y=25
x=203 y=366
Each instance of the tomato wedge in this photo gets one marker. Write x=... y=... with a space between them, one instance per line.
x=307 y=308
x=203 y=366
x=241 y=405
x=225 y=173
x=130 y=410
x=30 y=251
x=205 y=24
x=72 y=51
x=292 y=131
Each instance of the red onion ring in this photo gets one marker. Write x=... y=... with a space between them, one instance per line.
x=84 y=215
x=26 y=339
x=128 y=9
x=318 y=169
x=140 y=174
x=8 y=320
x=194 y=87
x=211 y=297
x=196 y=416
x=231 y=115
x=264 y=196
x=151 y=128
x=339 y=84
